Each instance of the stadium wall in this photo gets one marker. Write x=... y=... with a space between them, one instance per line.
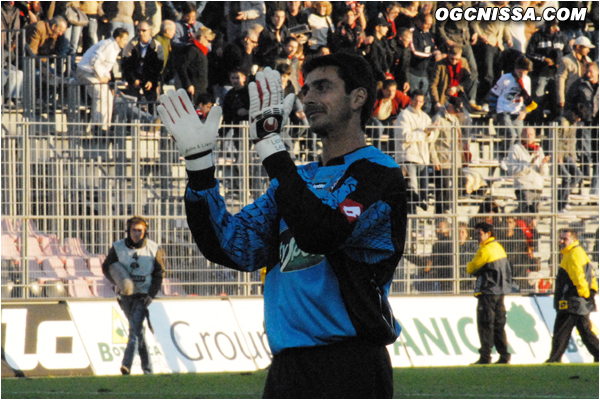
x=227 y=335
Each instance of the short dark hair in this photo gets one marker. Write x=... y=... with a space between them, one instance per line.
x=356 y=73
x=205 y=98
x=136 y=219
x=484 y=226
x=417 y=92
x=283 y=68
x=454 y=50
x=570 y=231
x=120 y=32
x=386 y=84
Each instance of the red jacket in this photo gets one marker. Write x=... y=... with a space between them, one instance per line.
x=399 y=103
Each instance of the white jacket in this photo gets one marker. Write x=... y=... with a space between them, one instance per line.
x=527 y=169
x=410 y=129
x=100 y=58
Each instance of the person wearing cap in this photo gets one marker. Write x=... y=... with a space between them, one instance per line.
x=442 y=151
x=331 y=233
x=135 y=266
x=494 y=280
x=192 y=66
x=380 y=54
x=545 y=48
x=510 y=101
x=572 y=66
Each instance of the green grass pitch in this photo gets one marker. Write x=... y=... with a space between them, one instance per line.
x=513 y=381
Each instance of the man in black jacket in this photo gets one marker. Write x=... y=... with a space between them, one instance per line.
x=142 y=64
x=192 y=68
x=271 y=39
x=380 y=56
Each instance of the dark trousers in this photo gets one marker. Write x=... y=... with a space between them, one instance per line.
x=491 y=318
x=135 y=311
x=488 y=68
x=443 y=190
x=349 y=369
x=563 y=327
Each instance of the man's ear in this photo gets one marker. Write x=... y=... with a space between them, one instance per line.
x=358 y=97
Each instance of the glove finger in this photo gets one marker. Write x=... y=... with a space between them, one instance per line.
x=254 y=99
x=186 y=103
x=166 y=118
x=213 y=120
x=168 y=102
x=274 y=81
x=263 y=90
x=178 y=103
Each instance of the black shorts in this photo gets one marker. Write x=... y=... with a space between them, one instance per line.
x=350 y=369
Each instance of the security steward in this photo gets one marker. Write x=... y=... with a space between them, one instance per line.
x=574 y=293
x=494 y=279
x=139 y=260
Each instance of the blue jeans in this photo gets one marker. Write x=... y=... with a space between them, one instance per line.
x=130 y=28
x=509 y=132
x=135 y=311
x=570 y=175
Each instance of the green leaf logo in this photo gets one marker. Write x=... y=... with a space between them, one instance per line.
x=522 y=324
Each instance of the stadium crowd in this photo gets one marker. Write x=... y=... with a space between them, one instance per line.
x=434 y=79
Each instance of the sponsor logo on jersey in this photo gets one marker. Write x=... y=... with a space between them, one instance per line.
x=351 y=209
x=291 y=257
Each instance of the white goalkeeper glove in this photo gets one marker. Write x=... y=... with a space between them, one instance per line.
x=269 y=112
x=195 y=140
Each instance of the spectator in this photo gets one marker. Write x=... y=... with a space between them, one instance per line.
x=205 y=104
x=186 y=28
x=192 y=67
x=288 y=56
x=294 y=15
x=442 y=257
x=402 y=58
x=320 y=24
x=46 y=38
x=119 y=14
x=511 y=100
x=388 y=104
x=572 y=66
x=488 y=43
x=452 y=78
x=416 y=135
x=391 y=12
x=442 y=152
x=467 y=248
x=519 y=255
x=142 y=64
x=457 y=33
x=167 y=32
x=380 y=56
x=566 y=153
x=271 y=40
x=239 y=55
x=147 y=11
x=349 y=35
x=527 y=165
x=242 y=16
x=546 y=48
x=407 y=14
x=94 y=70
x=424 y=55
x=90 y=31
x=585 y=90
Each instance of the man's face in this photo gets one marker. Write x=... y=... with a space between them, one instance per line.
x=483 y=236
x=326 y=103
x=583 y=50
x=350 y=17
x=528 y=135
x=591 y=73
x=136 y=232
x=565 y=240
x=58 y=30
x=190 y=18
x=238 y=80
x=453 y=59
x=521 y=73
x=417 y=102
x=123 y=40
x=407 y=37
x=144 y=32
x=382 y=30
x=443 y=229
x=463 y=235
x=294 y=6
x=205 y=108
x=278 y=19
x=389 y=92
x=425 y=26
x=251 y=43
x=291 y=48
x=170 y=31
x=393 y=13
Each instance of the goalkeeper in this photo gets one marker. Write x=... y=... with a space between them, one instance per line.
x=330 y=233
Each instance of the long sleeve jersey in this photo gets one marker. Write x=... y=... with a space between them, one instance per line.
x=330 y=237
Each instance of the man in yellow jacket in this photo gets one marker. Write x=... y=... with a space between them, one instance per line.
x=494 y=279
x=574 y=293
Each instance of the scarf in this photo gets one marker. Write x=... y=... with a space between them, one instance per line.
x=199 y=45
x=454 y=77
x=530 y=147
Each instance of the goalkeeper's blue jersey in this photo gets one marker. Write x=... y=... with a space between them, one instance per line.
x=330 y=236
